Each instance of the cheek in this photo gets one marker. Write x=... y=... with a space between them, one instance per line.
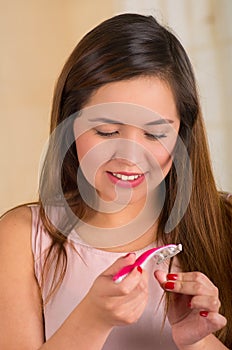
x=163 y=158
x=164 y=153
x=91 y=157
x=83 y=145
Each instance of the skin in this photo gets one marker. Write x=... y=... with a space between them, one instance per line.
x=188 y=326
x=154 y=98
x=193 y=293
x=150 y=149
x=106 y=304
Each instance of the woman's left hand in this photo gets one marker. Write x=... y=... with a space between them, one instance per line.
x=194 y=308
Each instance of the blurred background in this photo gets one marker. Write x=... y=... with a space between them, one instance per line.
x=36 y=39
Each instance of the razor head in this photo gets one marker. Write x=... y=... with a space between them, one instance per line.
x=168 y=252
x=161 y=253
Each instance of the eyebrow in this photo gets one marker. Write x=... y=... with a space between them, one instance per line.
x=111 y=121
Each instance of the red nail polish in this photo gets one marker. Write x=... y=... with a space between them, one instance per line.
x=203 y=313
x=169 y=285
x=189 y=304
x=127 y=255
x=139 y=268
x=172 y=276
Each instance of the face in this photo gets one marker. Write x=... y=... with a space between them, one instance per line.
x=125 y=137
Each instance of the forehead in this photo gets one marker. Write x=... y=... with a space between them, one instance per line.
x=123 y=114
x=141 y=99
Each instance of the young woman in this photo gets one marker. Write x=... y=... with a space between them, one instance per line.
x=127 y=169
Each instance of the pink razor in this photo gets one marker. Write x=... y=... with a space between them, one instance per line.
x=163 y=253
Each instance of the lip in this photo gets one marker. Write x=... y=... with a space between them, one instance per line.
x=126 y=184
x=126 y=173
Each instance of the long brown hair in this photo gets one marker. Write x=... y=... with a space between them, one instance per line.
x=124 y=47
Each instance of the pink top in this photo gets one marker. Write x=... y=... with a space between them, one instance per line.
x=84 y=266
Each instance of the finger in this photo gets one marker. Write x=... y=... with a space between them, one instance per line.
x=193 y=283
x=104 y=282
x=137 y=277
x=160 y=277
x=189 y=288
x=128 y=259
x=136 y=280
x=131 y=308
x=214 y=321
x=191 y=277
x=139 y=293
x=208 y=303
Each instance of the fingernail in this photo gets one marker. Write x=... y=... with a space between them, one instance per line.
x=203 y=313
x=189 y=304
x=139 y=268
x=169 y=285
x=172 y=276
x=125 y=256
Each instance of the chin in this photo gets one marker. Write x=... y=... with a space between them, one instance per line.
x=123 y=197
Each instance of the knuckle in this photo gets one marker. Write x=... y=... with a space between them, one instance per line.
x=198 y=276
x=199 y=289
x=143 y=288
x=120 y=317
x=146 y=292
x=124 y=318
x=109 y=305
x=215 y=290
x=118 y=314
x=218 y=320
x=125 y=290
x=143 y=295
x=133 y=317
x=130 y=320
x=216 y=303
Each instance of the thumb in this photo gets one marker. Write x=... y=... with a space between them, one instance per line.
x=119 y=264
x=160 y=277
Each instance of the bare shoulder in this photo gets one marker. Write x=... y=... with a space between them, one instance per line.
x=20 y=297
x=22 y=212
x=15 y=231
x=19 y=217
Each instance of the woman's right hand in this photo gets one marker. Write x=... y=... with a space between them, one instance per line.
x=107 y=304
x=114 y=304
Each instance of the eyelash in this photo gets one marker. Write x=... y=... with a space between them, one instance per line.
x=155 y=137
x=106 y=134
x=110 y=134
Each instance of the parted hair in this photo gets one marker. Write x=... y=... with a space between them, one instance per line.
x=121 y=48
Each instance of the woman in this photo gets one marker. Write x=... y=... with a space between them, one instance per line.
x=126 y=134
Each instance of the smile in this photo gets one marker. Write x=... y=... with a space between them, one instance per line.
x=125 y=179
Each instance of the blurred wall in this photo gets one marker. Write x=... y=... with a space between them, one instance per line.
x=36 y=39
x=205 y=29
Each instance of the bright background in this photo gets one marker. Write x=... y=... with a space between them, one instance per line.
x=36 y=39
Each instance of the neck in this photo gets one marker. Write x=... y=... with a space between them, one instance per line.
x=146 y=239
x=118 y=218
x=132 y=228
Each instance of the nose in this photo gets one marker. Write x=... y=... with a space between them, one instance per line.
x=129 y=150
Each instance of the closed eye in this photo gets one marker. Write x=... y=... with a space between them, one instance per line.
x=106 y=134
x=113 y=133
x=155 y=136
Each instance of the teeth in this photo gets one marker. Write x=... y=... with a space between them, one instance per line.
x=126 y=178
